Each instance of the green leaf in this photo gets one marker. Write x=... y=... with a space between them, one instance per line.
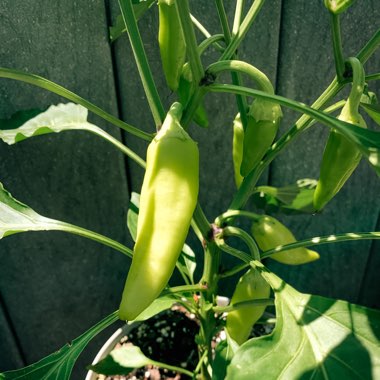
x=55 y=119
x=296 y=198
x=224 y=353
x=373 y=110
x=139 y=7
x=121 y=361
x=314 y=338
x=157 y=306
x=60 y=364
x=132 y=215
x=16 y=217
x=186 y=263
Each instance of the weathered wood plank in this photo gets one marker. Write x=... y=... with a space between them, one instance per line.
x=306 y=66
x=55 y=285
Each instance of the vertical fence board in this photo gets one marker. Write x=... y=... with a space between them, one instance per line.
x=54 y=285
x=306 y=66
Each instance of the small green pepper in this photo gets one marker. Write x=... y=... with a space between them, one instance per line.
x=239 y=322
x=168 y=199
x=237 y=148
x=338 y=6
x=262 y=126
x=171 y=42
x=341 y=156
x=270 y=233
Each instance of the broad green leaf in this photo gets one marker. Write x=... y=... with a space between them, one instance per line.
x=373 y=110
x=121 y=361
x=186 y=263
x=139 y=7
x=16 y=217
x=55 y=119
x=296 y=198
x=314 y=338
x=60 y=364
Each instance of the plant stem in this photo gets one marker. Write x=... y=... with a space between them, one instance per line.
x=244 y=27
x=184 y=289
x=238 y=305
x=67 y=227
x=318 y=240
x=46 y=84
x=223 y=20
x=191 y=42
x=337 y=45
x=172 y=368
x=237 y=18
x=146 y=76
x=208 y=42
x=204 y=31
x=128 y=152
x=233 y=213
x=243 y=235
x=255 y=74
x=369 y=48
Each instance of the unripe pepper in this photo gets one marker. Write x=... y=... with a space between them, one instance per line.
x=262 y=126
x=270 y=233
x=338 y=6
x=168 y=199
x=171 y=42
x=239 y=322
x=341 y=156
x=237 y=148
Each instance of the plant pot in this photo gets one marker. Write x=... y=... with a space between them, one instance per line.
x=167 y=337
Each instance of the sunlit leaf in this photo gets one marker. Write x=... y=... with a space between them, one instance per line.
x=16 y=217
x=55 y=119
x=314 y=338
x=373 y=110
x=121 y=361
x=60 y=364
x=296 y=198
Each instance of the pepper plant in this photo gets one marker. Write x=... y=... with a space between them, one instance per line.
x=313 y=336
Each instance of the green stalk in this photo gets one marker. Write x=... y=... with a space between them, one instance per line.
x=208 y=42
x=204 y=31
x=238 y=305
x=191 y=42
x=370 y=47
x=238 y=14
x=223 y=20
x=46 y=84
x=128 y=152
x=244 y=27
x=146 y=76
x=337 y=45
x=247 y=238
x=67 y=227
x=255 y=74
x=319 y=240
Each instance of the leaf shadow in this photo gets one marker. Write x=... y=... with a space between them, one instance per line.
x=348 y=360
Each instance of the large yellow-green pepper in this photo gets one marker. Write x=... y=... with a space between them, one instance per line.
x=270 y=233
x=239 y=323
x=171 y=42
x=168 y=199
